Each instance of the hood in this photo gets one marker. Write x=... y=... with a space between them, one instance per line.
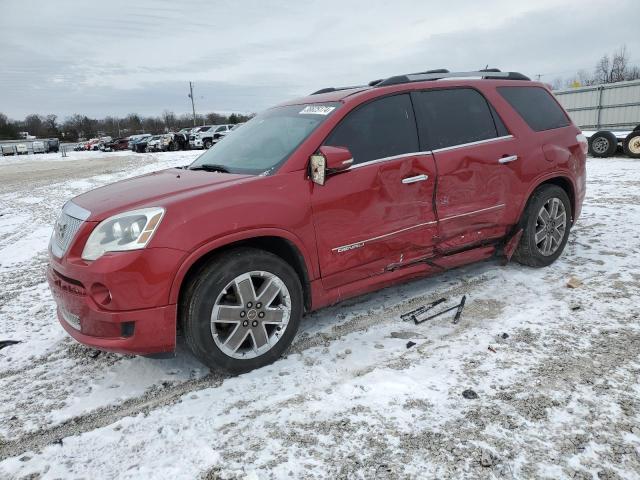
x=155 y=189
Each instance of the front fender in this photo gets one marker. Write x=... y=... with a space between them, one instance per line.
x=226 y=240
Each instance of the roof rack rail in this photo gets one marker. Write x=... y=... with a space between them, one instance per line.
x=335 y=89
x=439 y=74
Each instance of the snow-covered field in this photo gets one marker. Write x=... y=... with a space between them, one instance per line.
x=556 y=369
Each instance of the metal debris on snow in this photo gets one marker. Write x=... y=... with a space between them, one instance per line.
x=420 y=311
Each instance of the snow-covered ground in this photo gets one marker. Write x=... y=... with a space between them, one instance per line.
x=556 y=369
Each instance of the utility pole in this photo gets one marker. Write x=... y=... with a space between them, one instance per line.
x=193 y=105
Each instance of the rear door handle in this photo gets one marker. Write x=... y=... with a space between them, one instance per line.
x=417 y=178
x=509 y=159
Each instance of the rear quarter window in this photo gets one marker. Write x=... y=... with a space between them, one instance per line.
x=536 y=106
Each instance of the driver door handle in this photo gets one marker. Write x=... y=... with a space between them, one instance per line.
x=509 y=159
x=417 y=178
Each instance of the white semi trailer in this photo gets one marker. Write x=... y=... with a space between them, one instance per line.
x=608 y=114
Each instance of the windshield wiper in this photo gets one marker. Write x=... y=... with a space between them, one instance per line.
x=210 y=167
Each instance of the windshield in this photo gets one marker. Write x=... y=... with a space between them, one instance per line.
x=203 y=129
x=267 y=140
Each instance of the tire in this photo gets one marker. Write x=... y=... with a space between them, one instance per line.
x=215 y=293
x=603 y=144
x=535 y=253
x=632 y=144
x=207 y=144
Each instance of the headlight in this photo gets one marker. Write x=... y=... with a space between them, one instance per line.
x=125 y=231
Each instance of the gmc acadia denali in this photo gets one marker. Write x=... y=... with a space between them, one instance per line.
x=316 y=200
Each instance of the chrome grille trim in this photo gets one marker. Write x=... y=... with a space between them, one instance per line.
x=66 y=227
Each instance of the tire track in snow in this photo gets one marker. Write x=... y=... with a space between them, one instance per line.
x=151 y=400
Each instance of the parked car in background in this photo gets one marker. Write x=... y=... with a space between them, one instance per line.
x=116 y=145
x=226 y=132
x=21 y=149
x=38 y=147
x=133 y=139
x=207 y=135
x=52 y=144
x=163 y=143
x=140 y=146
x=8 y=149
x=326 y=197
x=182 y=138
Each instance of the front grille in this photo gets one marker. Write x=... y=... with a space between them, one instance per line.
x=66 y=227
x=64 y=230
x=192 y=137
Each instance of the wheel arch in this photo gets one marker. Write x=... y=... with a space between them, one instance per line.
x=288 y=249
x=561 y=181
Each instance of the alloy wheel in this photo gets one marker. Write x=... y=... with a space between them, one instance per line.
x=250 y=315
x=551 y=226
x=600 y=145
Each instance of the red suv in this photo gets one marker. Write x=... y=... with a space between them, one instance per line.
x=316 y=200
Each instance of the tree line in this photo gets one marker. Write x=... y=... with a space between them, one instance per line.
x=612 y=68
x=79 y=126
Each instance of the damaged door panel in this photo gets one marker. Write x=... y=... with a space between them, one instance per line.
x=477 y=163
x=380 y=211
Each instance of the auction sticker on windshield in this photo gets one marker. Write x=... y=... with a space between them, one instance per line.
x=317 y=110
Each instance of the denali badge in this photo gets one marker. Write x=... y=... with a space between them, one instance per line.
x=349 y=247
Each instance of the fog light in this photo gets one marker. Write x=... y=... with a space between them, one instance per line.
x=100 y=294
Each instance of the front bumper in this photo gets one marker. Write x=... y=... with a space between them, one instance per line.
x=119 y=302
x=197 y=143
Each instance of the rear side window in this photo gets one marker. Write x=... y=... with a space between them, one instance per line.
x=379 y=129
x=453 y=117
x=536 y=106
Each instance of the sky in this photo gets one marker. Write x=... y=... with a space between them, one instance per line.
x=101 y=58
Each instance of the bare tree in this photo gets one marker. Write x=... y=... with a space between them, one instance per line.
x=169 y=119
x=615 y=68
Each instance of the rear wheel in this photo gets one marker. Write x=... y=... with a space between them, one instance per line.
x=632 y=144
x=242 y=310
x=546 y=224
x=603 y=144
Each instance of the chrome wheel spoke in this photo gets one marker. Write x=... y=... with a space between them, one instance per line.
x=540 y=235
x=236 y=338
x=227 y=313
x=273 y=315
x=245 y=290
x=546 y=246
x=557 y=236
x=268 y=292
x=544 y=216
x=554 y=208
x=260 y=338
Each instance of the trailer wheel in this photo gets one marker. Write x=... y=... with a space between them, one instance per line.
x=632 y=144
x=603 y=144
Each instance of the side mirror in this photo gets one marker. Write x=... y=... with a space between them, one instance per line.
x=329 y=160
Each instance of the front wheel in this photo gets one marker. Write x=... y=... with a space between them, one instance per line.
x=546 y=223
x=242 y=310
x=207 y=144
